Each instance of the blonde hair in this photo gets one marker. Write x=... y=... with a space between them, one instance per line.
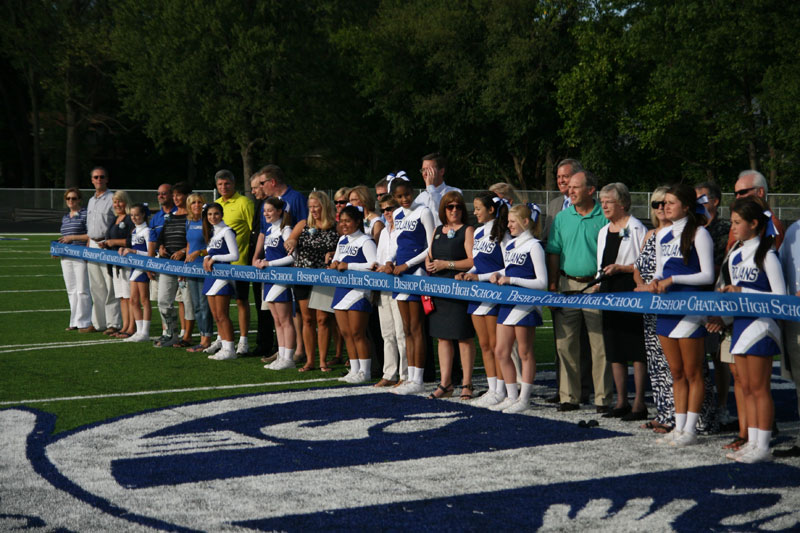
x=364 y=196
x=505 y=190
x=343 y=192
x=122 y=196
x=327 y=218
x=523 y=212
x=658 y=195
x=191 y=198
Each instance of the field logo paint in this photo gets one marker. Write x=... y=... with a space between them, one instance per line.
x=350 y=458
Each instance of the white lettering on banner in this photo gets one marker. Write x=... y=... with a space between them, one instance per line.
x=661 y=304
x=788 y=310
x=623 y=302
x=712 y=306
x=310 y=278
x=285 y=277
x=401 y=284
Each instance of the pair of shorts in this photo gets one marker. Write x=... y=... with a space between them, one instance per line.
x=242 y=290
x=301 y=292
x=121 y=278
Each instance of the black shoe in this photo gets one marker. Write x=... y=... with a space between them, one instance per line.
x=566 y=406
x=635 y=415
x=617 y=412
x=794 y=451
x=602 y=409
x=555 y=398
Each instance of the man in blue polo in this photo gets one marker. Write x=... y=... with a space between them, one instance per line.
x=275 y=185
x=571 y=265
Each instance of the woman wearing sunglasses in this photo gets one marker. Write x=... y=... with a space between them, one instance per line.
x=75 y=272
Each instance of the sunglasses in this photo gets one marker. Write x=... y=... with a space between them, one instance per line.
x=658 y=205
x=340 y=202
x=451 y=207
x=72 y=198
x=99 y=176
x=742 y=192
x=388 y=209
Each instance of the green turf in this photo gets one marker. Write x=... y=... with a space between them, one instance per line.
x=116 y=368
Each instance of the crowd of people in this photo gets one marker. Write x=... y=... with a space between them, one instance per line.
x=585 y=242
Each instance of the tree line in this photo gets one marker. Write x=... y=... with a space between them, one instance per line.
x=343 y=91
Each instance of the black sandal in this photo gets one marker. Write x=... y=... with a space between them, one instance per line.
x=466 y=392
x=446 y=392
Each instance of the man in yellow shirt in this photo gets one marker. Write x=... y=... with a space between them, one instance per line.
x=238 y=215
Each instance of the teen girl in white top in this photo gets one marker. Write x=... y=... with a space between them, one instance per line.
x=142 y=243
x=222 y=248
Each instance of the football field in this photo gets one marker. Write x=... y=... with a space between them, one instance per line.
x=101 y=435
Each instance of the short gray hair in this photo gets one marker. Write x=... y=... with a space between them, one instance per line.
x=574 y=164
x=758 y=179
x=620 y=191
x=226 y=175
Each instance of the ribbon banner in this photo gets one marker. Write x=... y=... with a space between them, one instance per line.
x=683 y=303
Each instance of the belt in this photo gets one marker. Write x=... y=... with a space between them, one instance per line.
x=581 y=279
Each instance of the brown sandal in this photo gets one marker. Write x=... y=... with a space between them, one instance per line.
x=466 y=392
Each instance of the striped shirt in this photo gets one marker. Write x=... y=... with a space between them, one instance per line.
x=173 y=234
x=74 y=225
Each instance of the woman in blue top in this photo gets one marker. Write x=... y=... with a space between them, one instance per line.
x=75 y=271
x=413 y=230
x=684 y=262
x=195 y=246
x=355 y=251
x=278 y=298
x=487 y=255
x=142 y=243
x=222 y=248
x=754 y=268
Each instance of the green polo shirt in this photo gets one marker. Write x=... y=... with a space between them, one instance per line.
x=237 y=212
x=574 y=239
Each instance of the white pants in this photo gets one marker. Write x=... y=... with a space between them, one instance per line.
x=76 y=279
x=394 y=340
x=185 y=296
x=167 y=288
x=105 y=306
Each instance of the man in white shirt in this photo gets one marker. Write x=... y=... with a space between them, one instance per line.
x=433 y=168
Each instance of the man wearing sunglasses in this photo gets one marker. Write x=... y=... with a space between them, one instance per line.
x=433 y=167
x=753 y=183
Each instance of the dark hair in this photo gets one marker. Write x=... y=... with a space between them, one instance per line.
x=399 y=183
x=437 y=158
x=182 y=188
x=574 y=165
x=272 y=172
x=500 y=212
x=450 y=197
x=224 y=174
x=279 y=204
x=714 y=192
x=752 y=208
x=76 y=190
x=208 y=229
x=99 y=167
x=688 y=197
x=143 y=208
x=354 y=213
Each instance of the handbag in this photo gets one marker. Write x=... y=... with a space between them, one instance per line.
x=427 y=304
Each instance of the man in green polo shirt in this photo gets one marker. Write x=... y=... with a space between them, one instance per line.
x=571 y=265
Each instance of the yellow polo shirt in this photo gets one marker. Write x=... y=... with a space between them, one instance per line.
x=237 y=213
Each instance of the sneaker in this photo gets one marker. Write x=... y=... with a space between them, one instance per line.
x=137 y=337
x=214 y=347
x=410 y=387
x=686 y=439
x=346 y=377
x=755 y=455
x=488 y=398
x=734 y=455
x=164 y=341
x=397 y=389
x=669 y=437
x=224 y=355
x=243 y=348
x=517 y=407
x=282 y=364
x=505 y=404
x=357 y=378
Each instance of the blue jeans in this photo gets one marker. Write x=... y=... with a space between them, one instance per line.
x=202 y=313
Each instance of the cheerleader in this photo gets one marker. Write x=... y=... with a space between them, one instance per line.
x=142 y=243
x=755 y=268
x=277 y=298
x=684 y=262
x=221 y=248
x=355 y=251
x=525 y=266
x=487 y=254
x=413 y=230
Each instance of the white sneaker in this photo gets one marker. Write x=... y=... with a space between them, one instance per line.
x=398 y=389
x=505 y=404
x=488 y=399
x=734 y=455
x=137 y=337
x=282 y=364
x=214 y=347
x=686 y=439
x=755 y=455
x=410 y=387
x=243 y=348
x=346 y=377
x=224 y=355
x=669 y=437
x=357 y=378
x=518 y=407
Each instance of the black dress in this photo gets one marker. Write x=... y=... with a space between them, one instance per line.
x=623 y=332
x=450 y=319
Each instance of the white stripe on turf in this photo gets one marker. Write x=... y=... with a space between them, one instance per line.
x=171 y=391
x=34 y=311
x=20 y=276
x=34 y=290
x=8 y=347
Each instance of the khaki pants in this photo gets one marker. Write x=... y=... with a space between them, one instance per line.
x=567 y=329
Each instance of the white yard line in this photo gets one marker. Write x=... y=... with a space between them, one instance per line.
x=56 y=344
x=34 y=290
x=20 y=276
x=33 y=311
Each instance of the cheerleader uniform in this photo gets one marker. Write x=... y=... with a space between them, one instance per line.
x=141 y=236
x=525 y=265
x=275 y=253
x=413 y=230
x=685 y=277
x=487 y=256
x=756 y=336
x=222 y=247
x=359 y=252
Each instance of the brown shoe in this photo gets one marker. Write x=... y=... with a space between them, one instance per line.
x=385 y=383
x=110 y=331
x=88 y=329
x=399 y=382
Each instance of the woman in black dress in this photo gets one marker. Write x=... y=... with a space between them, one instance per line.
x=449 y=253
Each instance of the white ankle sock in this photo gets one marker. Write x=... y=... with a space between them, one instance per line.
x=500 y=389
x=366 y=366
x=525 y=392
x=241 y=337
x=752 y=436
x=764 y=436
x=680 y=421
x=512 y=391
x=492 y=383
x=691 y=422
x=139 y=326
x=227 y=345
x=182 y=333
x=355 y=366
x=145 y=327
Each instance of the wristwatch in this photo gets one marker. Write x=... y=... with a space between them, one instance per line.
x=451 y=265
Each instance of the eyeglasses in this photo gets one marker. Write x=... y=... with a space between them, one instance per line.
x=72 y=198
x=341 y=202
x=658 y=205
x=451 y=207
x=742 y=192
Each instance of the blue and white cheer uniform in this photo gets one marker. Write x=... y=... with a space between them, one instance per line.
x=685 y=277
x=275 y=253
x=487 y=257
x=141 y=236
x=222 y=247
x=413 y=231
x=359 y=252
x=525 y=265
x=755 y=336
